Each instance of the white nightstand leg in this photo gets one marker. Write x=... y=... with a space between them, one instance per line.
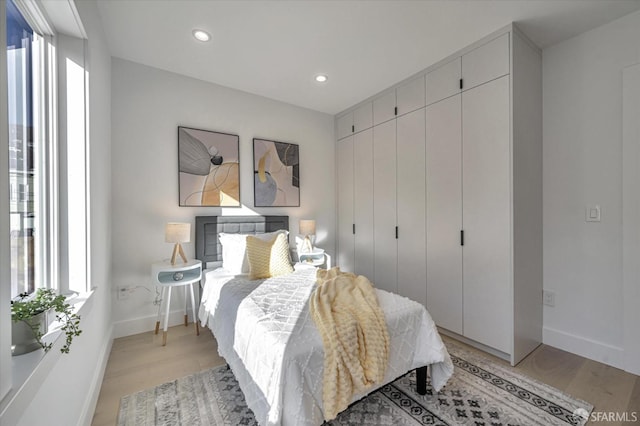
x=160 y=309
x=166 y=318
x=193 y=308
x=186 y=303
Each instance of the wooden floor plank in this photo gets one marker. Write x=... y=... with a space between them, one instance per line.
x=607 y=388
x=634 y=401
x=553 y=366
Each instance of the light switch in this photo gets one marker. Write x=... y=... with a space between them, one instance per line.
x=592 y=214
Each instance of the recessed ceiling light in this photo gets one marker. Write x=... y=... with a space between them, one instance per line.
x=321 y=78
x=201 y=35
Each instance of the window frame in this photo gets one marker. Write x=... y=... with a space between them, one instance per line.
x=6 y=372
x=52 y=261
x=44 y=142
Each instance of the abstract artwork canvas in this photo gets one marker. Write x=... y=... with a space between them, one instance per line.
x=209 y=173
x=276 y=174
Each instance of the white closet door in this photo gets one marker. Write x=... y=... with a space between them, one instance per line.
x=384 y=206
x=363 y=202
x=487 y=62
x=410 y=96
x=345 y=205
x=410 y=152
x=443 y=81
x=488 y=298
x=444 y=213
x=384 y=107
x=363 y=117
x=344 y=125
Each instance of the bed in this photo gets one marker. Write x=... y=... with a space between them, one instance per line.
x=268 y=338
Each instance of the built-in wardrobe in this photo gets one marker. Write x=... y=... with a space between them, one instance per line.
x=440 y=192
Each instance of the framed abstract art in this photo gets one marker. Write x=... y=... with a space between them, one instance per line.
x=276 y=174
x=209 y=172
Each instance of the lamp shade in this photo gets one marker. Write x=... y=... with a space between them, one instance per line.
x=177 y=232
x=307 y=227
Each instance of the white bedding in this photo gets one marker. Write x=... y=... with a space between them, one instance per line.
x=266 y=335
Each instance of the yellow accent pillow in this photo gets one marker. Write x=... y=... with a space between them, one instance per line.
x=268 y=258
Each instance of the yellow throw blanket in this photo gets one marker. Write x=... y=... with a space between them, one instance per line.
x=354 y=334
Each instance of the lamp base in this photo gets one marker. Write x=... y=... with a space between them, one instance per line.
x=306 y=247
x=177 y=249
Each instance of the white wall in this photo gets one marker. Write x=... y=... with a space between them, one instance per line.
x=148 y=106
x=582 y=161
x=69 y=393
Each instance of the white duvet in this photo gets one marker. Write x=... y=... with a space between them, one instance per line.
x=266 y=335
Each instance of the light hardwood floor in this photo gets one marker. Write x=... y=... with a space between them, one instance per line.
x=139 y=362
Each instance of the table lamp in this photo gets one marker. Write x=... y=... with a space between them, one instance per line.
x=307 y=228
x=177 y=233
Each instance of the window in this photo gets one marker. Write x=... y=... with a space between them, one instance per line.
x=22 y=43
x=48 y=188
x=44 y=196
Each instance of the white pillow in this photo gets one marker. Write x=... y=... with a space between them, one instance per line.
x=234 y=249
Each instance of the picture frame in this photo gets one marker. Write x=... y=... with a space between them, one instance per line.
x=276 y=173
x=208 y=168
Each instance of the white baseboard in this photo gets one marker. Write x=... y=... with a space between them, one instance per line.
x=147 y=323
x=597 y=351
x=96 y=382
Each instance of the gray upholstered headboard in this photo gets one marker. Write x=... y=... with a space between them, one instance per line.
x=208 y=248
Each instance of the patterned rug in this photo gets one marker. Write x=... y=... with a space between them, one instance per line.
x=480 y=392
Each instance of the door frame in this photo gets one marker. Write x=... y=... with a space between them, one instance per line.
x=631 y=217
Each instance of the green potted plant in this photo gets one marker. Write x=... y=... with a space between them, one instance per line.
x=29 y=321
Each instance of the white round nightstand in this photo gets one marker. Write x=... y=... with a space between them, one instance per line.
x=167 y=276
x=316 y=258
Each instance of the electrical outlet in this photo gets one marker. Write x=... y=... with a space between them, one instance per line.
x=548 y=298
x=592 y=213
x=123 y=292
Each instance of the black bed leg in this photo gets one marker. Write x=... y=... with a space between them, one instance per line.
x=421 y=380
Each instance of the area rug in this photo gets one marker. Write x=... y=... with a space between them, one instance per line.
x=480 y=392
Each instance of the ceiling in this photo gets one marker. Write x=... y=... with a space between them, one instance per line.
x=275 y=48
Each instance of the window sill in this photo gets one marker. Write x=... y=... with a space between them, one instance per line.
x=31 y=369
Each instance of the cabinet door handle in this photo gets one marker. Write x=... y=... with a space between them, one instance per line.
x=462 y=237
x=461 y=85
x=396 y=232
x=353 y=128
x=354 y=228
x=395 y=111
